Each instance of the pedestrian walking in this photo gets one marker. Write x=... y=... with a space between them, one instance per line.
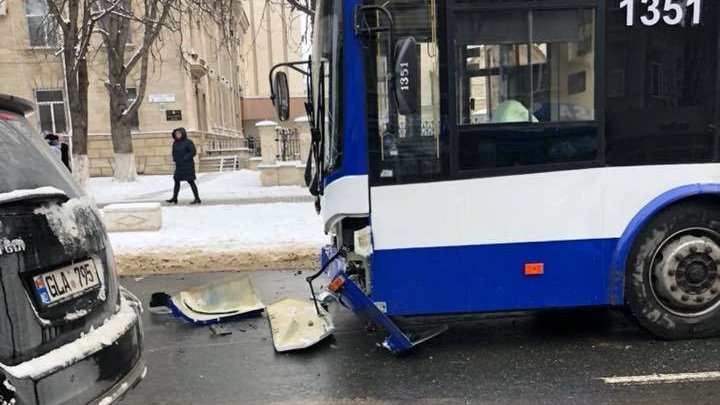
x=183 y=152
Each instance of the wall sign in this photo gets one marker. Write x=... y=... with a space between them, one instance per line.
x=173 y=115
x=161 y=98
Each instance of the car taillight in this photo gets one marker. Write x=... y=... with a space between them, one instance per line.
x=7 y=116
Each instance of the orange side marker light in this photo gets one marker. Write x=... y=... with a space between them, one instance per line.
x=534 y=269
x=336 y=284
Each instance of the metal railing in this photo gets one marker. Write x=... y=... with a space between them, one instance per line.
x=253 y=145
x=220 y=163
x=288 y=144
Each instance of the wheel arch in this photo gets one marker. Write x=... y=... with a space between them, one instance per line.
x=706 y=191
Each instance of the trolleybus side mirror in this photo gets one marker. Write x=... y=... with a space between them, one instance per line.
x=407 y=71
x=281 y=96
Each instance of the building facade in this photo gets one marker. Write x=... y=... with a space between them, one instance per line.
x=196 y=81
x=276 y=34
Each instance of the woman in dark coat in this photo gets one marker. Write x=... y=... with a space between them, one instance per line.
x=183 y=152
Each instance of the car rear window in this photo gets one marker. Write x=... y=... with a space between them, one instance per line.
x=26 y=162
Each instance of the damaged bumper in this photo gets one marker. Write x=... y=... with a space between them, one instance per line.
x=354 y=298
x=98 y=368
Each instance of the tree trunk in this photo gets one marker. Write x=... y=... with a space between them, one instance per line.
x=117 y=28
x=124 y=168
x=77 y=88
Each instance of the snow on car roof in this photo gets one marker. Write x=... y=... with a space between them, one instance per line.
x=23 y=194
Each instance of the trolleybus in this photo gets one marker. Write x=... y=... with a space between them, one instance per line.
x=475 y=156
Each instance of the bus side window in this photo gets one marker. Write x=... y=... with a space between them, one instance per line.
x=525 y=87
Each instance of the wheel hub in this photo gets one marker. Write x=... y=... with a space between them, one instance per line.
x=686 y=276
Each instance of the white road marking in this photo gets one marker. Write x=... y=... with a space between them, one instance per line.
x=663 y=378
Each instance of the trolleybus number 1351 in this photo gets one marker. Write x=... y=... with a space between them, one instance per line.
x=672 y=12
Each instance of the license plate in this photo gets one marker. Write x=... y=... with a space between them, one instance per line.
x=66 y=283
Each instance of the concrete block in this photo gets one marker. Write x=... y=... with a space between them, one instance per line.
x=126 y=217
x=254 y=162
x=268 y=175
x=289 y=176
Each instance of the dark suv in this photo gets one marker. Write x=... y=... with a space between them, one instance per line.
x=69 y=334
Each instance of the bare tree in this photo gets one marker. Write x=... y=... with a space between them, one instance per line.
x=304 y=6
x=76 y=21
x=151 y=16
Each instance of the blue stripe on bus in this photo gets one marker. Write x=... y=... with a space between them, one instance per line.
x=487 y=278
x=354 y=126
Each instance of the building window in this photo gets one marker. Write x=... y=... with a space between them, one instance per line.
x=134 y=118
x=41 y=27
x=51 y=111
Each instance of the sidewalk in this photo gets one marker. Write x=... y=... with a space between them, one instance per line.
x=239 y=226
x=241 y=187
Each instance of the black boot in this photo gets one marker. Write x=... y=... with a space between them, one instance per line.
x=194 y=188
x=176 y=191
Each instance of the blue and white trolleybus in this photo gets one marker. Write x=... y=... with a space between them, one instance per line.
x=498 y=155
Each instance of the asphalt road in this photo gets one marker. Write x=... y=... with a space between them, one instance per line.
x=547 y=358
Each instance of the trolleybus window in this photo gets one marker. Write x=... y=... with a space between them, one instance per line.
x=408 y=147
x=525 y=87
x=662 y=83
x=327 y=63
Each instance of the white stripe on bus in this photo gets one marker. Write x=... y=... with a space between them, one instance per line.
x=557 y=206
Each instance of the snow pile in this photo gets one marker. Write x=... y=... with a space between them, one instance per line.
x=227 y=227
x=88 y=344
x=224 y=237
x=29 y=193
x=71 y=222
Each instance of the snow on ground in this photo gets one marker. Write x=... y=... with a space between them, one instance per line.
x=224 y=237
x=241 y=184
x=105 y=190
x=228 y=227
x=229 y=233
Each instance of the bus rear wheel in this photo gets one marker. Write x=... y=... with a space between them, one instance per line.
x=672 y=285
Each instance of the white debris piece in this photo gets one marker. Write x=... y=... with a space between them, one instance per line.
x=295 y=324
x=28 y=193
x=221 y=299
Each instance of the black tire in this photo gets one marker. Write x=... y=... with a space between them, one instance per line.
x=652 y=297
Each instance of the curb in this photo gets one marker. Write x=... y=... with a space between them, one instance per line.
x=198 y=261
